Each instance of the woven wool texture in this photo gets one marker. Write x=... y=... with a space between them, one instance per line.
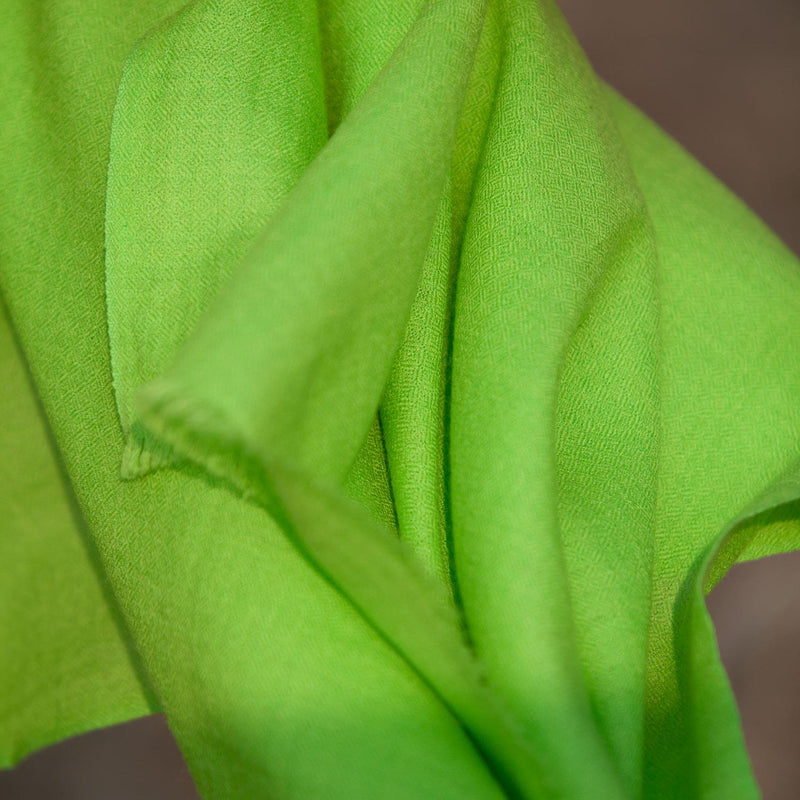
x=380 y=393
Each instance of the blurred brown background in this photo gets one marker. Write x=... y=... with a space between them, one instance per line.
x=723 y=76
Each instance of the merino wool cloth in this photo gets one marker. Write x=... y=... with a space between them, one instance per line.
x=380 y=394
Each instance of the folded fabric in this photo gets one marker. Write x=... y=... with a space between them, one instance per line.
x=381 y=395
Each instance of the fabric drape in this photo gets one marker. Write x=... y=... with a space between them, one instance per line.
x=381 y=394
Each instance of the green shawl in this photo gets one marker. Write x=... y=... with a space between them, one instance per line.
x=380 y=393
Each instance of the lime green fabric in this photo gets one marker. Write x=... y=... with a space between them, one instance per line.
x=412 y=388
x=64 y=667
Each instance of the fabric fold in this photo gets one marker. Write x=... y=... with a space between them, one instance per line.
x=242 y=82
x=554 y=385
x=66 y=664
x=315 y=310
x=250 y=394
x=729 y=293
